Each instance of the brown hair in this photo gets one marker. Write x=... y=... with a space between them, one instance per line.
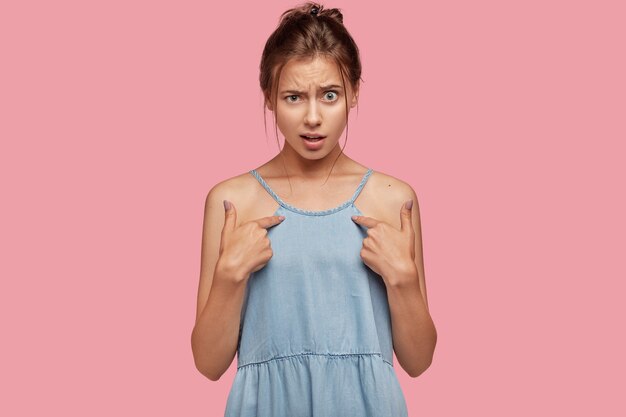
x=306 y=32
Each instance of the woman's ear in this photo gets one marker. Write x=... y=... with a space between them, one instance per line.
x=355 y=97
x=268 y=104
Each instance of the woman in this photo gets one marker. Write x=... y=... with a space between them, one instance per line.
x=314 y=258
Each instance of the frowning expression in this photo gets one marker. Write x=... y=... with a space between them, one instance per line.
x=312 y=102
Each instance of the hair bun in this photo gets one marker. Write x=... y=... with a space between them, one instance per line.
x=317 y=9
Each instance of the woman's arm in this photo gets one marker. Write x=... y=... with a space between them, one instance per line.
x=220 y=297
x=414 y=333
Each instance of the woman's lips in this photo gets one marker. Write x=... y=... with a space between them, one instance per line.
x=313 y=144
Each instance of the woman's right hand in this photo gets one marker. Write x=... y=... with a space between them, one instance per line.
x=245 y=248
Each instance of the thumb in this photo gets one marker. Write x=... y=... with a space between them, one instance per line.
x=230 y=214
x=405 y=216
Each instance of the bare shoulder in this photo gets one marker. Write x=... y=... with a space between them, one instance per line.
x=231 y=187
x=243 y=191
x=390 y=187
x=385 y=196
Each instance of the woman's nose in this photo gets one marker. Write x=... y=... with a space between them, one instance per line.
x=313 y=117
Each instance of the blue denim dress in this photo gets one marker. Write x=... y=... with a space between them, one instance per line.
x=315 y=336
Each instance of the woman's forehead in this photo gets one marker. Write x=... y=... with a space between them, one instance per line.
x=303 y=74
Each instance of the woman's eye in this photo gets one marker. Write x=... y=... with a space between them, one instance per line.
x=332 y=98
x=289 y=97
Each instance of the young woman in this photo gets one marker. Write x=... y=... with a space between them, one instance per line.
x=312 y=267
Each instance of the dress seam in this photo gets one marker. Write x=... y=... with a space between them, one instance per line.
x=326 y=212
x=315 y=354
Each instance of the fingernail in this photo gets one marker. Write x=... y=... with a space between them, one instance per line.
x=281 y=218
x=408 y=204
x=226 y=204
x=353 y=217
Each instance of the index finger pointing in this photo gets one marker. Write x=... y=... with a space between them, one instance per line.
x=364 y=221
x=269 y=221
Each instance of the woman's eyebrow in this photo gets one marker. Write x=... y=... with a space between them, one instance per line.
x=322 y=87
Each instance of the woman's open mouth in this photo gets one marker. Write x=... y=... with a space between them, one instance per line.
x=312 y=138
x=313 y=142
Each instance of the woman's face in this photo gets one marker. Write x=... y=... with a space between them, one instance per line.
x=312 y=102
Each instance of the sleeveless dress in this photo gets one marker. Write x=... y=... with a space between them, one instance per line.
x=315 y=334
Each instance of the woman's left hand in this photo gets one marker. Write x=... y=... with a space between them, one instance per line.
x=386 y=250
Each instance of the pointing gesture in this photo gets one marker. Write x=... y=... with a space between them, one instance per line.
x=387 y=250
x=245 y=248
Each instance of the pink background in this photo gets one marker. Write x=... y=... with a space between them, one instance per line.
x=507 y=118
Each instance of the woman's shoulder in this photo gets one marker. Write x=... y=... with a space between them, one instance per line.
x=235 y=188
x=389 y=188
x=242 y=190
x=383 y=197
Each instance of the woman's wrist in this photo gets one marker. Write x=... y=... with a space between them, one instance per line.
x=228 y=272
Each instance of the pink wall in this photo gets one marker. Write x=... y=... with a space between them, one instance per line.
x=507 y=118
